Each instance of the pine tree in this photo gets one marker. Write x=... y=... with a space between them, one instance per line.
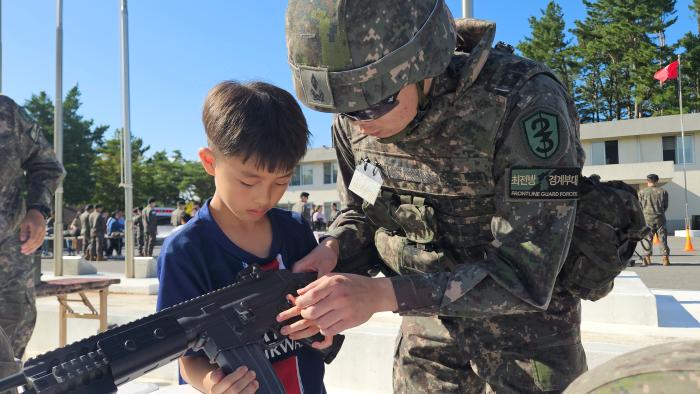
x=549 y=45
x=80 y=141
x=690 y=67
x=618 y=50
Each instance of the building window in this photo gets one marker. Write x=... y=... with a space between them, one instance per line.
x=673 y=149
x=330 y=173
x=303 y=175
x=605 y=152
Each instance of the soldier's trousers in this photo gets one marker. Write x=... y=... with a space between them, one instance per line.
x=658 y=228
x=17 y=299
x=149 y=243
x=8 y=366
x=96 y=246
x=86 y=245
x=540 y=353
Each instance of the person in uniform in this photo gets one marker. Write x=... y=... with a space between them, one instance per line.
x=303 y=207
x=178 y=214
x=138 y=230
x=98 y=228
x=29 y=164
x=85 y=230
x=459 y=171
x=654 y=202
x=150 y=226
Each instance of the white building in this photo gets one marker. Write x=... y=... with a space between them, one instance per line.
x=624 y=150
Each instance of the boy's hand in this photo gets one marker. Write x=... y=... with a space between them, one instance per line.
x=322 y=259
x=240 y=381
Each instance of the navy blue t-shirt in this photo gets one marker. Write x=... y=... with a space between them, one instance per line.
x=199 y=258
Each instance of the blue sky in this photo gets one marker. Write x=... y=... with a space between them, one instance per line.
x=179 y=50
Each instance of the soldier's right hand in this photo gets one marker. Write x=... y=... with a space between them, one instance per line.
x=240 y=381
x=322 y=259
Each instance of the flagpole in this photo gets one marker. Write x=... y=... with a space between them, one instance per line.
x=685 y=178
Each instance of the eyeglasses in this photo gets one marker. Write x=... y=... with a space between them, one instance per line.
x=375 y=111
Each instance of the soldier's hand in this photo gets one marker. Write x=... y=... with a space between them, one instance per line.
x=31 y=231
x=322 y=259
x=303 y=328
x=337 y=302
x=242 y=380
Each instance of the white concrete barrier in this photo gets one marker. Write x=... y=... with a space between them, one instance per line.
x=630 y=302
x=76 y=265
x=145 y=267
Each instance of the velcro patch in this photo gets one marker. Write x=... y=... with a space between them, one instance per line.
x=542 y=133
x=543 y=183
x=317 y=88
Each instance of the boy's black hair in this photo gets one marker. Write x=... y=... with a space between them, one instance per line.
x=304 y=194
x=152 y=199
x=256 y=120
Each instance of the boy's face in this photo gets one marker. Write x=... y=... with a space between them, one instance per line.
x=246 y=190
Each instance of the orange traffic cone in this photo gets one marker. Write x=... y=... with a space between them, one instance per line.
x=657 y=241
x=688 y=243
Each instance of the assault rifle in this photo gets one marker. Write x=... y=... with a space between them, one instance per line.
x=228 y=324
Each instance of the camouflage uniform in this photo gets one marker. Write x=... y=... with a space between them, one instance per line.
x=477 y=263
x=85 y=234
x=654 y=202
x=98 y=227
x=138 y=233
x=150 y=225
x=29 y=165
x=665 y=368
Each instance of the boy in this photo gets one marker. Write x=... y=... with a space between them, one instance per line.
x=256 y=136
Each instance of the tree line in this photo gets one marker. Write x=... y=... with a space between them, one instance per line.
x=608 y=59
x=93 y=161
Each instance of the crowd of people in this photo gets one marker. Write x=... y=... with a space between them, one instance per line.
x=314 y=213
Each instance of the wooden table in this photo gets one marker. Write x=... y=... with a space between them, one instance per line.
x=62 y=288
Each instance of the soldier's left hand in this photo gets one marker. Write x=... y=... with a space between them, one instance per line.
x=31 y=231
x=337 y=302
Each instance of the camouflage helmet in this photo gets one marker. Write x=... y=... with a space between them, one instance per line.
x=666 y=368
x=348 y=55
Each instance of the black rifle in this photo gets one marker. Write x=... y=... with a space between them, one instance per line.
x=228 y=324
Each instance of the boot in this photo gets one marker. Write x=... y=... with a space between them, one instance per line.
x=665 y=261
x=646 y=261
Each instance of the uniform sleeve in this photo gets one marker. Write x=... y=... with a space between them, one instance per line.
x=44 y=172
x=531 y=237
x=665 y=202
x=352 y=229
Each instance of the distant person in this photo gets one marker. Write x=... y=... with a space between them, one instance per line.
x=115 y=233
x=29 y=174
x=319 y=219
x=150 y=226
x=303 y=207
x=178 y=214
x=98 y=228
x=257 y=134
x=74 y=230
x=334 y=213
x=196 y=206
x=138 y=230
x=85 y=230
x=594 y=177
x=654 y=202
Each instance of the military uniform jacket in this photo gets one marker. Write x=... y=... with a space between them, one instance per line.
x=85 y=224
x=98 y=226
x=490 y=114
x=23 y=148
x=150 y=220
x=654 y=200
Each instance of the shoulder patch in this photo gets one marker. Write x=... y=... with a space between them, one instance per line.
x=541 y=130
x=543 y=183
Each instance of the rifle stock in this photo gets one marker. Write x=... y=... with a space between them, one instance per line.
x=228 y=324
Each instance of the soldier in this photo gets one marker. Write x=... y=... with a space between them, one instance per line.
x=150 y=226
x=85 y=230
x=138 y=230
x=176 y=218
x=98 y=228
x=74 y=229
x=303 y=207
x=459 y=169
x=29 y=165
x=654 y=201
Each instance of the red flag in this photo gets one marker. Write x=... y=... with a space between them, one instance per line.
x=668 y=72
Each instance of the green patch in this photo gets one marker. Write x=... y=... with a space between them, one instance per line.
x=543 y=183
x=542 y=134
